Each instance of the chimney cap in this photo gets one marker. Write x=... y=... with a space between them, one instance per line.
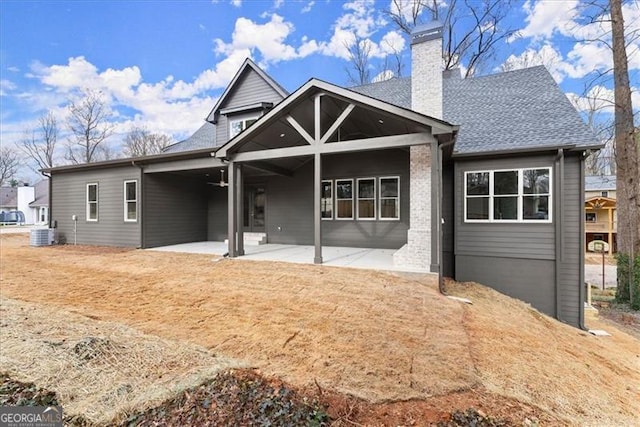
x=425 y=32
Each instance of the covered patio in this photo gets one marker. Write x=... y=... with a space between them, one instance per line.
x=344 y=149
x=365 y=258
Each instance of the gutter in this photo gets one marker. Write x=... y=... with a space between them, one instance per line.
x=141 y=197
x=581 y=280
x=439 y=218
x=515 y=151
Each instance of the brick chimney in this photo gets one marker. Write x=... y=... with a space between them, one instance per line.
x=426 y=69
x=426 y=98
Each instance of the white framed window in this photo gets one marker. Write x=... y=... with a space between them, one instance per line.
x=92 y=201
x=604 y=193
x=131 y=201
x=238 y=125
x=389 y=195
x=590 y=217
x=326 y=199
x=510 y=195
x=344 y=198
x=43 y=214
x=366 y=195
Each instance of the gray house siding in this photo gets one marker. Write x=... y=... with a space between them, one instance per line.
x=250 y=89
x=569 y=264
x=289 y=206
x=448 y=216
x=70 y=198
x=175 y=209
x=217 y=214
x=522 y=257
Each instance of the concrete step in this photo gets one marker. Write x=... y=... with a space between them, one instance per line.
x=252 y=238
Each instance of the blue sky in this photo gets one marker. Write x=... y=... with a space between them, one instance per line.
x=162 y=64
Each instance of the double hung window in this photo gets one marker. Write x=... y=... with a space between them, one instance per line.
x=92 y=202
x=517 y=195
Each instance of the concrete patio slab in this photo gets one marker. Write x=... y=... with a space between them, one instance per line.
x=367 y=258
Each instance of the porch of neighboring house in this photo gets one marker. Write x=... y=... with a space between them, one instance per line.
x=334 y=256
x=601 y=223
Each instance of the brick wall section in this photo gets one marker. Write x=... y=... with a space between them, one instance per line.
x=426 y=98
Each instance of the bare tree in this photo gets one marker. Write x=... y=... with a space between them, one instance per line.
x=627 y=151
x=40 y=144
x=594 y=104
x=140 y=142
x=472 y=29
x=359 y=60
x=90 y=127
x=9 y=164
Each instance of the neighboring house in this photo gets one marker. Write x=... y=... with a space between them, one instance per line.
x=8 y=199
x=32 y=201
x=478 y=179
x=40 y=205
x=600 y=213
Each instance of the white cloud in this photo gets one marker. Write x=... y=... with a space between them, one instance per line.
x=547 y=55
x=545 y=18
x=13 y=69
x=362 y=20
x=307 y=8
x=571 y=21
x=268 y=39
x=598 y=99
x=277 y=4
x=6 y=86
x=170 y=106
x=236 y=3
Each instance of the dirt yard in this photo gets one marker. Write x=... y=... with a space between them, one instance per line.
x=391 y=340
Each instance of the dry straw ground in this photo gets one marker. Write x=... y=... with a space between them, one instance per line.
x=116 y=371
x=374 y=335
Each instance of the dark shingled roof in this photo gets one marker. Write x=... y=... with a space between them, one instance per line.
x=205 y=137
x=41 y=194
x=516 y=110
x=597 y=183
x=8 y=197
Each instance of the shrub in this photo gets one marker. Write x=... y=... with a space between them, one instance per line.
x=628 y=291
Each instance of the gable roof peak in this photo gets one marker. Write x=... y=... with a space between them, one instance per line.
x=248 y=64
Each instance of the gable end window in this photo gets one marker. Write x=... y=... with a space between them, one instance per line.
x=131 y=201
x=237 y=126
x=92 y=202
x=517 y=195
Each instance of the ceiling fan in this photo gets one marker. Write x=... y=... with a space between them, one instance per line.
x=222 y=183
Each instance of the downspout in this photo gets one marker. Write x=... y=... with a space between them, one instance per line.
x=50 y=217
x=581 y=289
x=440 y=219
x=141 y=202
x=559 y=222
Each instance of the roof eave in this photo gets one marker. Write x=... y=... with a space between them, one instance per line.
x=438 y=126
x=520 y=150
x=134 y=161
